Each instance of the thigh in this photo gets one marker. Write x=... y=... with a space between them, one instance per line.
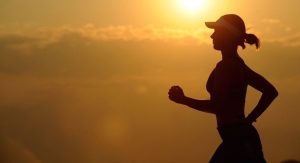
x=245 y=149
x=241 y=143
x=221 y=154
x=237 y=152
x=250 y=151
x=251 y=147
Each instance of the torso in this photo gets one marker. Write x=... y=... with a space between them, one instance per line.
x=227 y=86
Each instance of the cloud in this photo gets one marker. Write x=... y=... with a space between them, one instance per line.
x=288 y=41
x=276 y=30
x=27 y=40
x=271 y=21
x=105 y=51
x=277 y=23
x=92 y=51
x=91 y=94
x=41 y=37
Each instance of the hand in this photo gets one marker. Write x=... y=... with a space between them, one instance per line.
x=176 y=94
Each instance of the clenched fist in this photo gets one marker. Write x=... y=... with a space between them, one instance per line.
x=176 y=94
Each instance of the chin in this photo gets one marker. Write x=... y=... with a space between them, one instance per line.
x=217 y=47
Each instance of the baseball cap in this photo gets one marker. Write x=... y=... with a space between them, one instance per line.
x=231 y=22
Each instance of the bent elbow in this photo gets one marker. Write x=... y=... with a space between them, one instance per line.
x=273 y=93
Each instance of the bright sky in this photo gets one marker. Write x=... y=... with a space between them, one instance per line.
x=87 y=80
x=140 y=12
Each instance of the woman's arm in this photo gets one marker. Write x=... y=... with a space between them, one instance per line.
x=176 y=94
x=269 y=93
x=201 y=105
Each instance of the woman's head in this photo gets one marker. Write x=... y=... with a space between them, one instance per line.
x=230 y=32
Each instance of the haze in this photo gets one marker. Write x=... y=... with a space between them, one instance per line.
x=87 y=81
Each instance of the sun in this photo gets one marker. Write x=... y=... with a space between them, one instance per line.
x=192 y=7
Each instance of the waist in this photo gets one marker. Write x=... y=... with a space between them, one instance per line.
x=229 y=118
x=237 y=131
x=228 y=126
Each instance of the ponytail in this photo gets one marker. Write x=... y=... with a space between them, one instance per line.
x=249 y=39
x=252 y=39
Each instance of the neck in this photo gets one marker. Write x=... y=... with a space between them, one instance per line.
x=229 y=53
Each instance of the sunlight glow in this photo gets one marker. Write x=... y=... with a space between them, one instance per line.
x=192 y=7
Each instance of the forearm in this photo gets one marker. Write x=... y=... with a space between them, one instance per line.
x=201 y=105
x=264 y=102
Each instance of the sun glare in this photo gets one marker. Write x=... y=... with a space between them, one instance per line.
x=192 y=6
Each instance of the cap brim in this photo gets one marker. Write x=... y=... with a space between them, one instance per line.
x=211 y=25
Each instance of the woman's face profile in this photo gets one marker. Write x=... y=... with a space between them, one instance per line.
x=222 y=38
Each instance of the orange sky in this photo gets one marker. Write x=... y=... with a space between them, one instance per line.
x=87 y=81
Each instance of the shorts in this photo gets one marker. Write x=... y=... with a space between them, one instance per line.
x=241 y=144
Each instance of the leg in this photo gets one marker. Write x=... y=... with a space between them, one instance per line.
x=219 y=155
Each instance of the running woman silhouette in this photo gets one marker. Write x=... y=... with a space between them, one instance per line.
x=227 y=85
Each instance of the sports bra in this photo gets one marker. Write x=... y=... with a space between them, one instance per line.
x=211 y=78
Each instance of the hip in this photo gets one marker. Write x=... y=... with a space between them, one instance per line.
x=239 y=132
